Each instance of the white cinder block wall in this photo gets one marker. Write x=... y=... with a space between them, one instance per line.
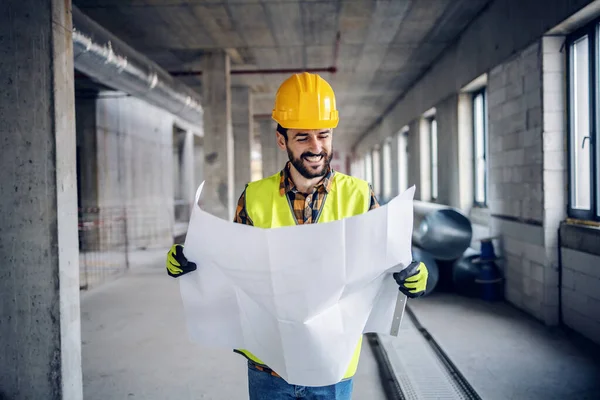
x=527 y=159
x=516 y=199
x=581 y=288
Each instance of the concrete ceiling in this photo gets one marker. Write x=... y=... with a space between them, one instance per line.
x=383 y=46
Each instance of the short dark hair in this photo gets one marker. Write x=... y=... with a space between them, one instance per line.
x=282 y=131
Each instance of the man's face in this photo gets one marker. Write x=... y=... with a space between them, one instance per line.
x=309 y=150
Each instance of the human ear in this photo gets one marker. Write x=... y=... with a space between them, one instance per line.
x=281 y=141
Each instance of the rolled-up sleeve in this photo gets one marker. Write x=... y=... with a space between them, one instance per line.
x=374 y=202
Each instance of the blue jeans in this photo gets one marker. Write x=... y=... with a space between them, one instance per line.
x=264 y=386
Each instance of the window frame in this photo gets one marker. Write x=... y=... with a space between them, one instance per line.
x=592 y=31
x=481 y=91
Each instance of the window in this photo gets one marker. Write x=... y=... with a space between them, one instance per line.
x=480 y=141
x=368 y=168
x=583 y=72
x=402 y=139
x=433 y=143
x=387 y=171
x=376 y=173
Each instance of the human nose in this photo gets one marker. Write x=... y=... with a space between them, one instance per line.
x=315 y=145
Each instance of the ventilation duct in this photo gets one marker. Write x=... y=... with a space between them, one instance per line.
x=108 y=60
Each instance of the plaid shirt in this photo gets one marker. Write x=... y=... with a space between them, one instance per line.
x=306 y=206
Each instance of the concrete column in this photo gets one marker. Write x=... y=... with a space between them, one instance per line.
x=269 y=149
x=217 y=195
x=198 y=175
x=243 y=120
x=40 y=349
x=87 y=161
x=87 y=165
x=554 y=184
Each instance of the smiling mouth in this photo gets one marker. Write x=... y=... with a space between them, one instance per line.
x=313 y=159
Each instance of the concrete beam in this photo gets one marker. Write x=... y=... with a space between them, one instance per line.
x=40 y=350
x=483 y=45
x=217 y=195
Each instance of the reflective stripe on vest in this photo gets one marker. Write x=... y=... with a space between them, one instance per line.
x=266 y=208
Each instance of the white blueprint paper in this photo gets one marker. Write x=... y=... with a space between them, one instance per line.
x=299 y=297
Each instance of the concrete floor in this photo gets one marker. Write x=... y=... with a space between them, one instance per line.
x=135 y=345
x=505 y=354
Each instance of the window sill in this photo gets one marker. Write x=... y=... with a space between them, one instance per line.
x=581 y=222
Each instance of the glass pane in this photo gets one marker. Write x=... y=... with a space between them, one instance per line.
x=479 y=133
x=376 y=173
x=387 y=171
x=434 y=160
x=402 y=162
x=580 y=125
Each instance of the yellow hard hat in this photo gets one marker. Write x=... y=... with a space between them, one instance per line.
x=305 y=101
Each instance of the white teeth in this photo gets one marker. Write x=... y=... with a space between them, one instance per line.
x=314 y=158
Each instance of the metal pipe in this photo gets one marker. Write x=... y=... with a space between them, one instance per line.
x=105 y=58
x=331 y=70
x=440 y=230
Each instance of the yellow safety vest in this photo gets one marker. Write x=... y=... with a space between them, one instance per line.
x=267 y=208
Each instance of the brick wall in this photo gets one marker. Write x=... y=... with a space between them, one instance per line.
x=581 y=292
x=516 y=164
x=515 y=126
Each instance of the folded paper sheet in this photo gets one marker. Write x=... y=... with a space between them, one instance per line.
x=300 y=297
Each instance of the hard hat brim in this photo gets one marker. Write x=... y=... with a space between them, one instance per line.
x=324 y=124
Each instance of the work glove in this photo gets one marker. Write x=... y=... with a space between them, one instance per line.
x=413 y=279
x=177 y=264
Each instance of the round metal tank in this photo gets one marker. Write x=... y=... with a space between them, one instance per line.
x=442 y=231
x=464 y=273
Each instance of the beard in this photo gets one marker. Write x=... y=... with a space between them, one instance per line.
x=307 y=171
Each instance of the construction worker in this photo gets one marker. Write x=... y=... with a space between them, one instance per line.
x=305 y=191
